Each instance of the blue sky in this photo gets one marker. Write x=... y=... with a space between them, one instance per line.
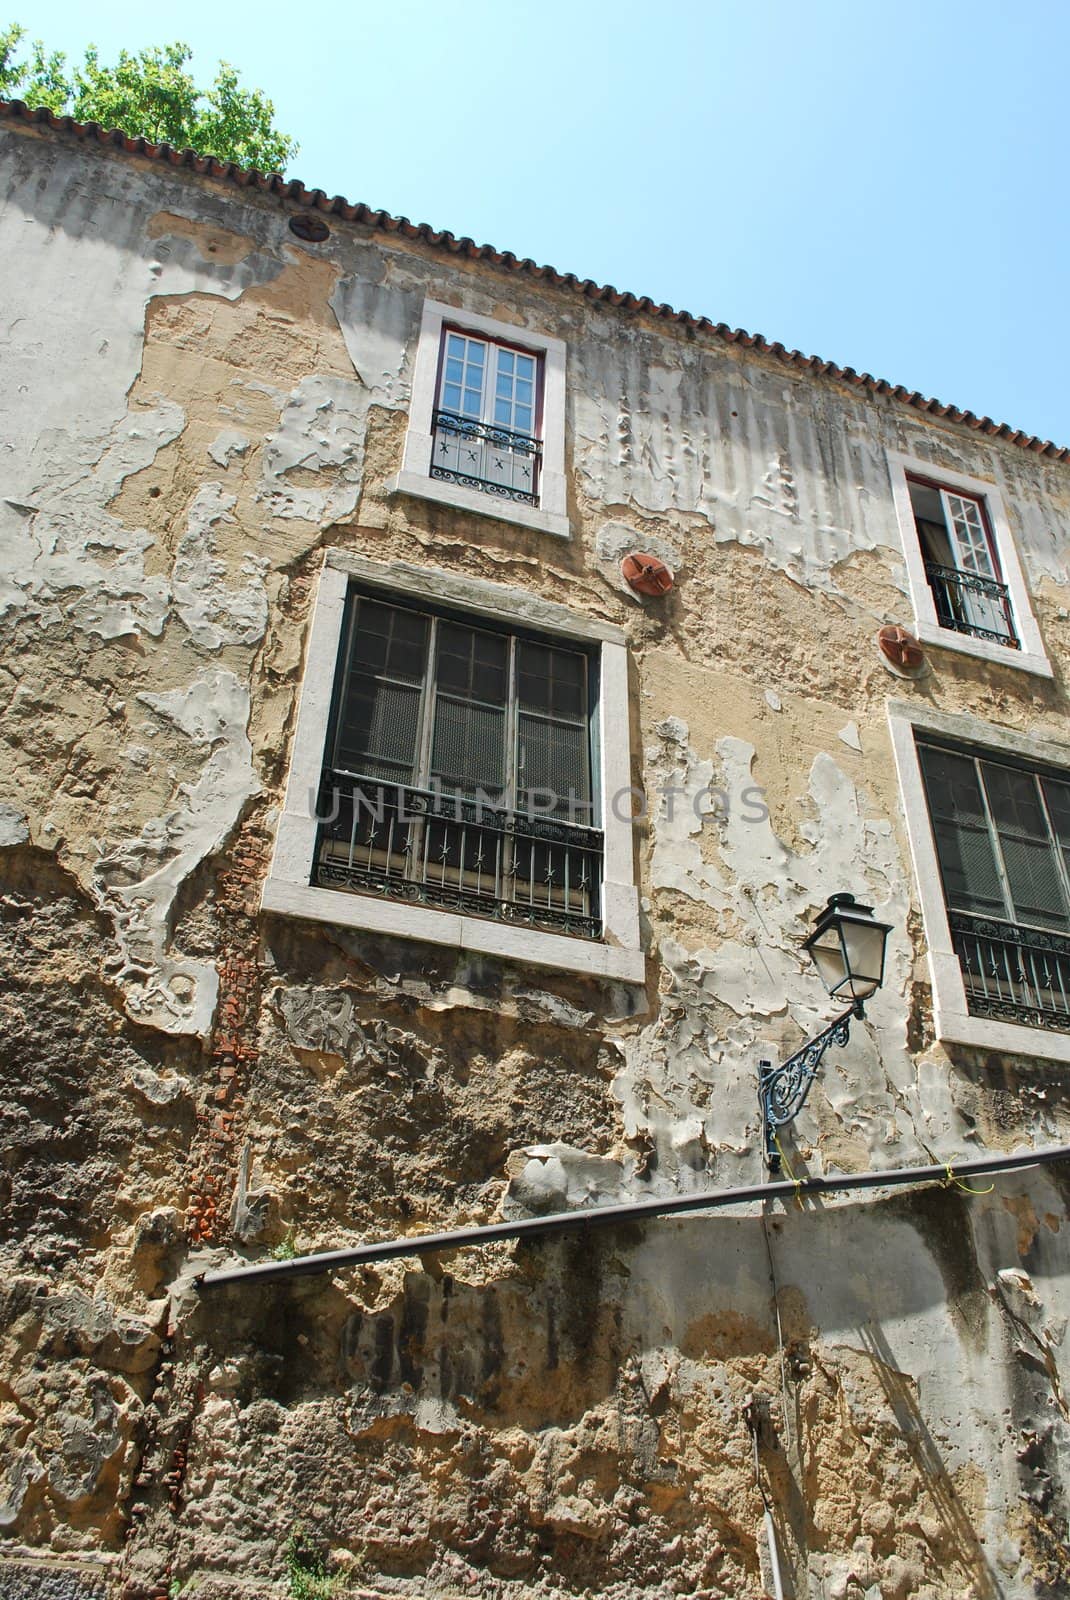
x=879 y=184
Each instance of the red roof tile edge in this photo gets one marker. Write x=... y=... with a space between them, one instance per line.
x=316 y=199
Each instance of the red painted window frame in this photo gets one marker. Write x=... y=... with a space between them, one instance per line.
x=539 y=357
x=963 y=494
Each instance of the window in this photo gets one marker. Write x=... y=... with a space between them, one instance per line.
x=989 y=827
x=487 y=420
x=960 y=563
x=965 y=578
x=1003 y=842
x=459 y=762
x=461 y=770
x=484 y=424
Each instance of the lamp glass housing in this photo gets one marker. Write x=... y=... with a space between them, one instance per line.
x=847 y=947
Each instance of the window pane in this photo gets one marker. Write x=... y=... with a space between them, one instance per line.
x=553 y=759
x=380 y=711
x=379 y=728
x=468 y=750
x=552 y=681
x=472 y=682
x=1028 y=849
x=461 y=386
x=473 y=662
x=1057 y=795
x=963 y=840
x=969 y=537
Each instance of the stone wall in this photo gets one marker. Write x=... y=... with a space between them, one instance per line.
x=196 y=407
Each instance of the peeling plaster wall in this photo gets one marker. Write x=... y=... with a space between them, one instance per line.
x=197 y=405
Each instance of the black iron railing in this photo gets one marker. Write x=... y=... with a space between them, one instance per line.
x=968 y=603
x=1015 y=974
x=497 y=460
x=445 y=850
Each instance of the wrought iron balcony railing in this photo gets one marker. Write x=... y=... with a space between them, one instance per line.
x=968 y=603
x=497 y=460
x=1012 y=973
x=445 y=850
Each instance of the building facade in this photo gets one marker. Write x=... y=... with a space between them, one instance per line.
x=376 y=860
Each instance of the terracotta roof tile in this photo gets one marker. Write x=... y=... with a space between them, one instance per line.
x=317 y=200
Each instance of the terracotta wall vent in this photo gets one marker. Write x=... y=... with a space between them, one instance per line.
x=646 y=574
x=900 y=649
x=312 y=229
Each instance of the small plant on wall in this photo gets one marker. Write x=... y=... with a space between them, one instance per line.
x=307 y=1570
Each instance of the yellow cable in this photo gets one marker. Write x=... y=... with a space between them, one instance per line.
x=787 y=1168
x=965 y=1187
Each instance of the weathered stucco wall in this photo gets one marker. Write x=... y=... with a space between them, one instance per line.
x=196 y=405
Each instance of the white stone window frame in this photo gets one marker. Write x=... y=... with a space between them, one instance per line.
x=551 y=513
x=289 y=890
x=953 y=1021
x=1032 y=656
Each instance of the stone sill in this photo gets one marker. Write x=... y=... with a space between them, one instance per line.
x=400 y=920
x=983 y=649
x=1010 y=1038
x=481 y=505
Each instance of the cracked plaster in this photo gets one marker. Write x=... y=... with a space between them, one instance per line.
x=136 y=880
x=690 y=441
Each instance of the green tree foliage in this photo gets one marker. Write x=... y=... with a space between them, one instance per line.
x=152 y=94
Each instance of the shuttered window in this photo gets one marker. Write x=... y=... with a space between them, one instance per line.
x=1002 y=837
x=431 y=701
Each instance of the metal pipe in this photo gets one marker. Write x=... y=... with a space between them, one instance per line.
x=774 y=1554
x=608 y=1216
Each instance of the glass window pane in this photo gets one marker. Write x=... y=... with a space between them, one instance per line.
x=553 y=681
x=1057 y=795
x=472 y=662
x=370 y=651
x=553 y=758
x=963 y=839
x=1029 y=855
x=380 y=709
x=505 y=361
x=379 y=725
x=468 y=747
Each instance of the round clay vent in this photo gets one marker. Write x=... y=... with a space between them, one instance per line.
x=646 y=574
x=312 y=229
x=900 y=649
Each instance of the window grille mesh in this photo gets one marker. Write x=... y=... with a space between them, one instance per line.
x=443 y=734
x=469 y=745
x=963 y=840
x=1003 y=837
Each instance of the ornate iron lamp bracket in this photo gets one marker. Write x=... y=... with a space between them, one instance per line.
x=782 y=1090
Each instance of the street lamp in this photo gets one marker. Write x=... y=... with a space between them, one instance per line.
x=847 y=948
